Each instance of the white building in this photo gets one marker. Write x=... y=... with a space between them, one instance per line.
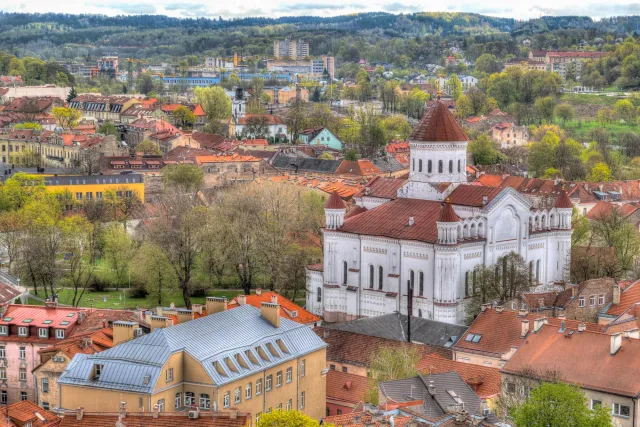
x=430 y=230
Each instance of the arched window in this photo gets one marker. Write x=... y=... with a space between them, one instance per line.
x=413 y=164
x=420 y=165
x=538 y=271
x=459 y=166
x=429 y=167
x=450 y=166
x=319 y=297
x=345 y=271
x=473 y=282
x=189 y=399
x=466 y=284
x=411 y=279
x=421 y=279
x=531 y=272
x=371 y=276
x=380 y=277
x=440 y=166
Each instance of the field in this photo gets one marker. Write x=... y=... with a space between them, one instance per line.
x=579 y=130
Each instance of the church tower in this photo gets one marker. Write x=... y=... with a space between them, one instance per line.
x=438 y=155
x=447 y=265
x=334 y=211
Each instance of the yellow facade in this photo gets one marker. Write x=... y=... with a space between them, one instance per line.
x=97 y=191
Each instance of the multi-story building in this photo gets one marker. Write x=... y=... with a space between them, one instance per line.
x=320 y=136
x=102 y=107
x=287 y=94
x=508 y=135
x=94 y=187
x=108 y=65
x=557 y=62
x=159 y=131
x=289 y=48
x=329 y=65
x=246 y=358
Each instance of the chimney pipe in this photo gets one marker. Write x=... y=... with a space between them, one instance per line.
x=524 y=329
x=581 y=327
x=633 y=333
x=616 y=294
x=616 y=343
x=216 y=305
x=538 y=323
x=411 y=221
x=271 y=312
x=274 y=299
x=242 y=299
x=79 y=413
x=499 y=309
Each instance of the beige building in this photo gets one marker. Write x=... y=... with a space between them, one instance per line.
x=246 y=358
x=508 y=135
x=103 y=107
x=292 y=49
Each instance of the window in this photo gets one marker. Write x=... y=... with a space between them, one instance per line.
x=205 y=402
x=459 y=166
x=168 y=375
x=332 y=367
x=3 y=396
x=511 y=388
x=247 y=391
x=259 y=387
x=45 y=405
x=420 y=165
x=319 y=296
x=160 y=405
x=302 y=400
x=440 y=166
x=225 y=401
x=345 y=270
x=128 y=193
x=289 y=375
x=59 y=334
x=237 y=395
x=339 y=411
x=592 y=300
x=302 y=367
x=98 y=194
x=4 y=330
x=279 y=379
x=429 y=166
x=344 y=369
x=411 y=278
x=258 y=417
x=466 y=284
x=3 y=374
x=600 y=299
x=421 y=280
x=595 y=403
x=267 y=385
x=473 y=337
x=581 y=302
x=98 y=371
x=380 y=277
x=88 y=195
x=23 y=374
x=413 y=165
x=289 y=404
x=78 y=196
x=450 y=166
x=23 y=396
x=621 y=410
x=43 y=332
x=371 y=276
x=23 y=353
x=22 y=331
x=45 y=385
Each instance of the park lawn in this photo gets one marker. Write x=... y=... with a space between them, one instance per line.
x=114 y=301
x=580 y=130
x=583 y=99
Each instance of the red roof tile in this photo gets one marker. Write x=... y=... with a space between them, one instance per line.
x=335 y=202
x=386 y=188
x=39 y=314
x=345 y=387
x=289 y=309
x=20 y=413
x=490 y=180
x=438 y=125
x=471 y=195
x=165 y=419
x=447 y=214
x=629 y=297
x=562 y=201
x=361 y=167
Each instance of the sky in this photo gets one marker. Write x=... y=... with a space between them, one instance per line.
x=523 y=9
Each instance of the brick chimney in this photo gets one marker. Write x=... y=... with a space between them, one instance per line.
x=259 y=291
x=616 y=343
x=271 y=312
x=524 y=328
x=539 y=323
x=123 y=331
x=79 y=413
x=196 y=308
x=616 y=294
x=123 y=409
x=242 y=299
x=156 y=411
x=632 y=333
x=216 y=305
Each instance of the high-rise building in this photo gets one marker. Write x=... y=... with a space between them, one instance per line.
x=292 y=49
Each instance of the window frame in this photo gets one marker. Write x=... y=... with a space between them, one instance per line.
x=204 y=398
x=289 y=375
x=258 y=386
x=268 y=384
x=248 y=391
x=226 y=399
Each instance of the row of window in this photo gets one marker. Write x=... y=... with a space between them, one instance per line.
x=279 y=407
x=268 y=386
x=4 y=398
x=89 y=195
x=582 y=301
x=440 y=166
x=23 y=331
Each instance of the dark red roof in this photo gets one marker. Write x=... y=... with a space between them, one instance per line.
x=447 y=214
x=438 y=124
x=335 y=202
x=563 y=201
x=472 y=195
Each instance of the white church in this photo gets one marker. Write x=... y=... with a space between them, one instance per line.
x=430 y=230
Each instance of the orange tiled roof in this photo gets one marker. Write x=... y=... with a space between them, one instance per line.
x=365 y=419
x=335 y=202
x=386 y=188
x=345 y=387
x=490 y=180
x=288 y=307
x=629 y=297
x=360 y=167
x=20 y=413
x=447 y=214
x=225 y=159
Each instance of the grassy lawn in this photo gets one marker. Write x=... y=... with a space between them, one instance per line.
x=579 y=130
x=583 y=99
x=113 y=299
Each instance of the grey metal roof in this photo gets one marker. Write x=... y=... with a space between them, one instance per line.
x=387 y=164
x=305 y=164
x=450 y=393
x=219 y=342
x=394 y=327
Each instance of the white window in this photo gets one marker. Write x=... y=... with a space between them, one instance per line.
x=601 y=299
x=621 y=410
x=59 y=334
x=279 y=379
x=592 y=301
x=169 y=375
x=3 y=374
x=288 y=407
x=595 y=403
x=302 y=400
x=302 y=367
x=205 y=402
x=23 y=353
x=247 y=391
x=178 y=400
x=289 y=376
x=160 y=405
x=22 y=331
x=189 y=399
x=23 y=374
x=225 y=401
x=4 y=330
x=45 y=385
x=581 y=302
x=258 y=387
x=267 y=385
x=237 y=395
x=43 y=332
x=3 y=352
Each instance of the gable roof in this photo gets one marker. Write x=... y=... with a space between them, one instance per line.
x=346 y=387
x=383 y=187
x=20 y=413
x=628 y=298
x=472 y=195
x=438 y=125
x=361 y=167
x=289 y=309
x=305 y=164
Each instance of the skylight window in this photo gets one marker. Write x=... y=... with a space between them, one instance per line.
x=473 y=338
x=64 y=322
x=7 y=319
x=27 y=321
x=46 y=322
x=71 y=314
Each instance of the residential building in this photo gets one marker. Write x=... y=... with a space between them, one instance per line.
x=231 y=167
x=538 y=55
x=246 y=358
x=558 y=62
x=156 y=418
x=141 y=111
x=103 y=107
x=604 y=366
x=94 y=187
x=286 y=95
x=329 y=63
x=196 y=109
x=8 y=94
x=496 y=334
x=258 y=126
x=344 y=392
x=292 y=49
x=508 y=135
x=108 y=66
x=468 y=81
x=159 y=131
x=320 y=136
x=624 y=311
x=289 y=309
x=27 y=414
x=370 y=257
x=526 y=64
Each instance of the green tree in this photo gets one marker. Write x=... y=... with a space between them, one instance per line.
x=28 y=125
x=108 y=128
x=396 y=126
x=351 y=155
x=483 y=151
x=487 y=63
x=154 y=271
x=66 y=117
x=391 y=363
x=542 y=154
x=455 y=86
x=187 y=177
x=565 y=112
x=546 y=108
x=184 y=117
x=216 y=104
x=600 y=173
x=118 y=250
x=72 y=94
x=625 y=110
x=463 y=106
x=559 y=405
x=478 y=101
x=145 y=83
x=148 y=147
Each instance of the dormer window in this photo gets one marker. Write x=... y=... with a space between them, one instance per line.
x=43 y=332
x=473 y=338
x=59 y=334
x=4 y=330
x=23 y=331
x=97 y=371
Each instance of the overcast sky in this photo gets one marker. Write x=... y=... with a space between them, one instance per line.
x=273 y=8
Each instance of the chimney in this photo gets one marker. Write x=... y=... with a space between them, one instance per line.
x=616 y=294
x=79 y=413
x=233 y=414
x=432 y=389
x=616 y=343
x=411 y=221
x=51 y=304
x=562 y=315
x=524 y=329
x=196 y=308
x=367 y=190
x=538 y=323
x=632 y=333
x=325 y=333
x=156 y=411
x=123 y=331
x=216 y=305
x=523 y=312
x=581 y=327
x=271 y=312
x=484 y=307
x=485 y=200
x=499 y=309
x=274 y=299
x=123 y=409
x=242 y=299
x=259 y=291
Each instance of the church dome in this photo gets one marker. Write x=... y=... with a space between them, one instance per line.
x=438 y=125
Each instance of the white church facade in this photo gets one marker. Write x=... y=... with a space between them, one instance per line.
x=430 y=230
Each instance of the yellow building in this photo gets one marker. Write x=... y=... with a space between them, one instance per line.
x=94 y=187
x=247 y=358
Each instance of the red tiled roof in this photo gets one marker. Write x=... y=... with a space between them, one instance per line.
x=471 y=195
x=39 y=314
x=485 y=381
x=397 y=147
x=316 y=267
x=360 y=167
x=20 y=413
x=629 y=297
x=490 y=180
x=100 y=318
x=603 y=209
x=365 y=419
x=447 y=214
x=288 y=307
x=100 y=341
x=583 y=359
x=270 y=119
x=577 y=54
x=8 y=293
x=165 y=419
x=335 y=202
x=345 y=387
x=225 y=159
x=355 y=211
x=562 y=201
x=438 y=125
x=386 y=188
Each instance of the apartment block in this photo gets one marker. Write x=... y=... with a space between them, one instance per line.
x=292 y=49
